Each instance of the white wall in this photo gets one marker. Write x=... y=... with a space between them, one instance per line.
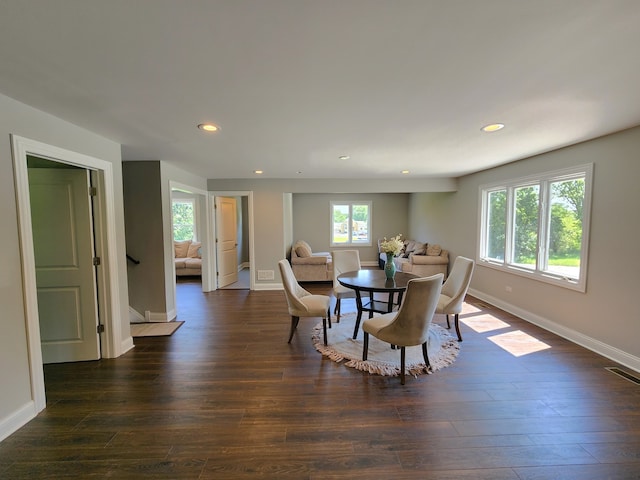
x=16 y=403
x=605 y=317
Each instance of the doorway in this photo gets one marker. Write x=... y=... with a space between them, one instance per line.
x=65 y=260
x=233 y=225
x=108 y=275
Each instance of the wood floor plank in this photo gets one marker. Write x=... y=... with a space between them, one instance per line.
x=227 y=397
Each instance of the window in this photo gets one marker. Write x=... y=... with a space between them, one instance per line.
x=184 y=214
x=538 y=226
x=350 y=223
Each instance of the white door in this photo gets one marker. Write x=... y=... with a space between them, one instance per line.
x=226 y=241
x=65 y=275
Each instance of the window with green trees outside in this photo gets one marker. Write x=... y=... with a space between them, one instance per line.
x=538 y=226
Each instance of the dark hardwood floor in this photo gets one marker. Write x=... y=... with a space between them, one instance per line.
x=226 y=397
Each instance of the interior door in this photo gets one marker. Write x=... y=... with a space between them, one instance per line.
x=226 y=241
x=62 y=226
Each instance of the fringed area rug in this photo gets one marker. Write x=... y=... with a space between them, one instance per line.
x=442 y=347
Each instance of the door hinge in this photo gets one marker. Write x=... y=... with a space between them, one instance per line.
x=100 y=328
x=93 y=191
x=96 y=261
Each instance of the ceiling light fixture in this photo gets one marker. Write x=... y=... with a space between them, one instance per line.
x=258 y=172
x=208 y=127
x=344 y=157
x=405 y=172
x=493 y=127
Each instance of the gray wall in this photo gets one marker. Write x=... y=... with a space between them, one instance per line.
x=273 y=209
x=144 y=236
x=606 y=313
x=312 y=219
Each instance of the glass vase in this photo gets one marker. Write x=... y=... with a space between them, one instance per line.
x=390 y=267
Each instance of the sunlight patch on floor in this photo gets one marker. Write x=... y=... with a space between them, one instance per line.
x=484 y=323
x=518 y=343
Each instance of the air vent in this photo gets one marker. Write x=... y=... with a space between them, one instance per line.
x=623 y=374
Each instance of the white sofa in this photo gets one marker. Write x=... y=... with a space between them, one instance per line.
x=187 y=258
x=308 y=266
x=418 y=258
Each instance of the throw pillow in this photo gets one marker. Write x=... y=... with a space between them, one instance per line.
x=194 y=250
x=181 y=248
x=409 y=248
x=303 y=249
x=434 y=250
x=420 y=249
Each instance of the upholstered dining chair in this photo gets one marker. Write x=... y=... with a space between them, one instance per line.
x=301 y=303
x=454 y=290
x=343 y=261
x=408 y=326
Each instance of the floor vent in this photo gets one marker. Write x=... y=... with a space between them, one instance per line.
x=624 y=374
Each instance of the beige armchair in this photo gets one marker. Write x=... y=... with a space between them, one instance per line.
x=343 y=261
x=408 y=326
x=301 y=303
x=454 y=291
x=309 y=266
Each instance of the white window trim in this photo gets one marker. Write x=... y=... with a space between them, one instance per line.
x=537 y=274
x=349 y=243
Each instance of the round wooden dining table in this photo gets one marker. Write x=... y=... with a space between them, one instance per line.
x=371 y=282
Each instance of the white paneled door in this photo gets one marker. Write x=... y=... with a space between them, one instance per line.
x=64 y=255
x=226 y=241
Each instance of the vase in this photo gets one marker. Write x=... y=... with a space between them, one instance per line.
x=390 y=267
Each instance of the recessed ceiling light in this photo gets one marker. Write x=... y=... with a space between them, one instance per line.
x=344 y=157
x=258 y=172
x=494 y=127
x=405 y=172
x=208 y=127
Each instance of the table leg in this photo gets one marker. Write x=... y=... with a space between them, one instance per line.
x=359 y=317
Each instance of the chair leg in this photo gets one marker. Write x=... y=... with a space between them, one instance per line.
x=457 y=327
x=294 y=324
x=448 y=324
x=402 y=362
x=365 y=347
x=337 y=311
x=324 y=328
x=426 y=356
x=329 y=316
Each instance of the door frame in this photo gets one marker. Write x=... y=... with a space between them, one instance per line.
x=109 y=301
x=212 y=251
x=203 y=220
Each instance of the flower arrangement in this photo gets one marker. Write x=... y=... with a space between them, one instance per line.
x=394 y=245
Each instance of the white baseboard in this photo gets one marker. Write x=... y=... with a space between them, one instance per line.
x=269 y=286
x=127 y=345
x=369 y=263
x=135 y=316
x=17 y=419
x=585 y=341
x=159 y=316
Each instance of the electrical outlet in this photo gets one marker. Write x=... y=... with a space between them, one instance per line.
x=508 y=288
x=266 y=274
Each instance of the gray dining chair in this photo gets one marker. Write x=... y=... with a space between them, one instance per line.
x=302 y=303
x=408 y=326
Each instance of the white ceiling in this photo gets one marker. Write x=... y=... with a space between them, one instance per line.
x=294 y=84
